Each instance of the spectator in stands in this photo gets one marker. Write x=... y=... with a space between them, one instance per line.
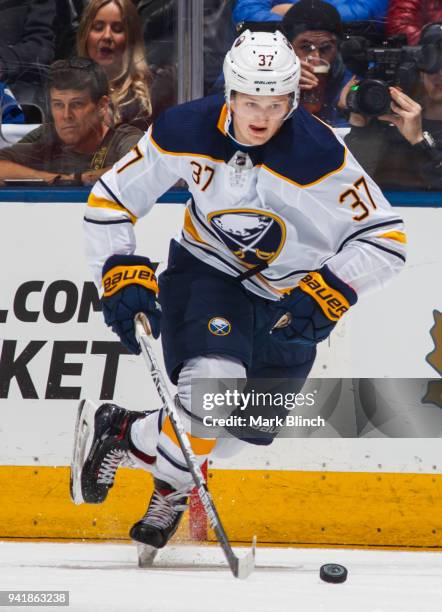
x=78 y=144
x=409 y=16
x=26 y=46
x=403 y=149
x=159 y=27
x=270 y=10
x=110 y=34
x=219 y=35
x=65 y=28
x=314 y=28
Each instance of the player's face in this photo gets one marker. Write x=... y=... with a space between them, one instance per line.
x=257 y=118
x=107 y=38
x=77 y=118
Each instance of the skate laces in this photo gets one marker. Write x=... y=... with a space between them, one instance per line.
x=110 y=464
x=163 y=509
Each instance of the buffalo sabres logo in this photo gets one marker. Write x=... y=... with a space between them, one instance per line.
x=219 y=326
x=252 y=236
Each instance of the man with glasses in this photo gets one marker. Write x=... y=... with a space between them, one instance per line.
x=315 y=29
x=78 y=144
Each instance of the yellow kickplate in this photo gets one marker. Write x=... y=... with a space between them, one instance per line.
x=35 y=503
x=330 y=508
x=282 y=507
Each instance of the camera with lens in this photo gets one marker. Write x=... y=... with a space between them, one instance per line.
x=391 y=63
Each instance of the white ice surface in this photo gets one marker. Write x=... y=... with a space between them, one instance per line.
x=106 y=578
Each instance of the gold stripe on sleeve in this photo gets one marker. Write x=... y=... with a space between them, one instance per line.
x=96 y=202
x=398 y=236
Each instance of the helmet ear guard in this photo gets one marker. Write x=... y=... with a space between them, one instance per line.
x=262 y=64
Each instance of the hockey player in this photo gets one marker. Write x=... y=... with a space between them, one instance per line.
x=282 y=220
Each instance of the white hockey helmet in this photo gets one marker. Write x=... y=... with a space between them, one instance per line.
x=262 y=64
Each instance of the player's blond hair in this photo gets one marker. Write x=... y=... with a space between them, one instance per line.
x=132 y=83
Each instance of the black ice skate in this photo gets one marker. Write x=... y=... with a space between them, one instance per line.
x=101 y=446
x=163 y=515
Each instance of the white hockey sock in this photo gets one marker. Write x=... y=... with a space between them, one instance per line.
x=171 y=465
x=145 y=432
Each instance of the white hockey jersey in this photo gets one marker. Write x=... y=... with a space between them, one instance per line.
x=289 y=206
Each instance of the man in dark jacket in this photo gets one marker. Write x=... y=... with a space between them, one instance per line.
x=26 y=45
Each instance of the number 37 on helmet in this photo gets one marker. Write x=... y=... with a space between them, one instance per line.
x=262 y=64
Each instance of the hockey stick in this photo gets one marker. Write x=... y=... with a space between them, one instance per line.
x=240 y=567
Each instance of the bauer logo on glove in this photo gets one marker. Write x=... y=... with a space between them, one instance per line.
x=332 y=302
x=311 y=310
x=121 y=276
x=130 y=287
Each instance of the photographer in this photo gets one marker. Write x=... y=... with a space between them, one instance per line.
x=403 y=148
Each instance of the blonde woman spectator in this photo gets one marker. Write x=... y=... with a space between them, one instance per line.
x=110 y=34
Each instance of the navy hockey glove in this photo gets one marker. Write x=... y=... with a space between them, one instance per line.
x=313 y=308
x=130 y=287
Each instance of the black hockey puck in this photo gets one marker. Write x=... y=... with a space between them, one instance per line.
x=332 y=572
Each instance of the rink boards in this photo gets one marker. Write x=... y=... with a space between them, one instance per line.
x=55 y=349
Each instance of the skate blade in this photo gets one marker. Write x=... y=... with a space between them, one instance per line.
x=84 y=432
x=146 y=554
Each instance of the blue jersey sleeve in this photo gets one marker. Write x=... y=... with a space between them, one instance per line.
x=261 y=10
x=255 y=10
x=358 y=10
x=10 y=110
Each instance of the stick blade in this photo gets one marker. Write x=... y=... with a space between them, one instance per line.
x=146 y=554
x=246 y=564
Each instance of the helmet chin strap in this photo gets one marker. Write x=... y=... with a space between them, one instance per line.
x=228 y=123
